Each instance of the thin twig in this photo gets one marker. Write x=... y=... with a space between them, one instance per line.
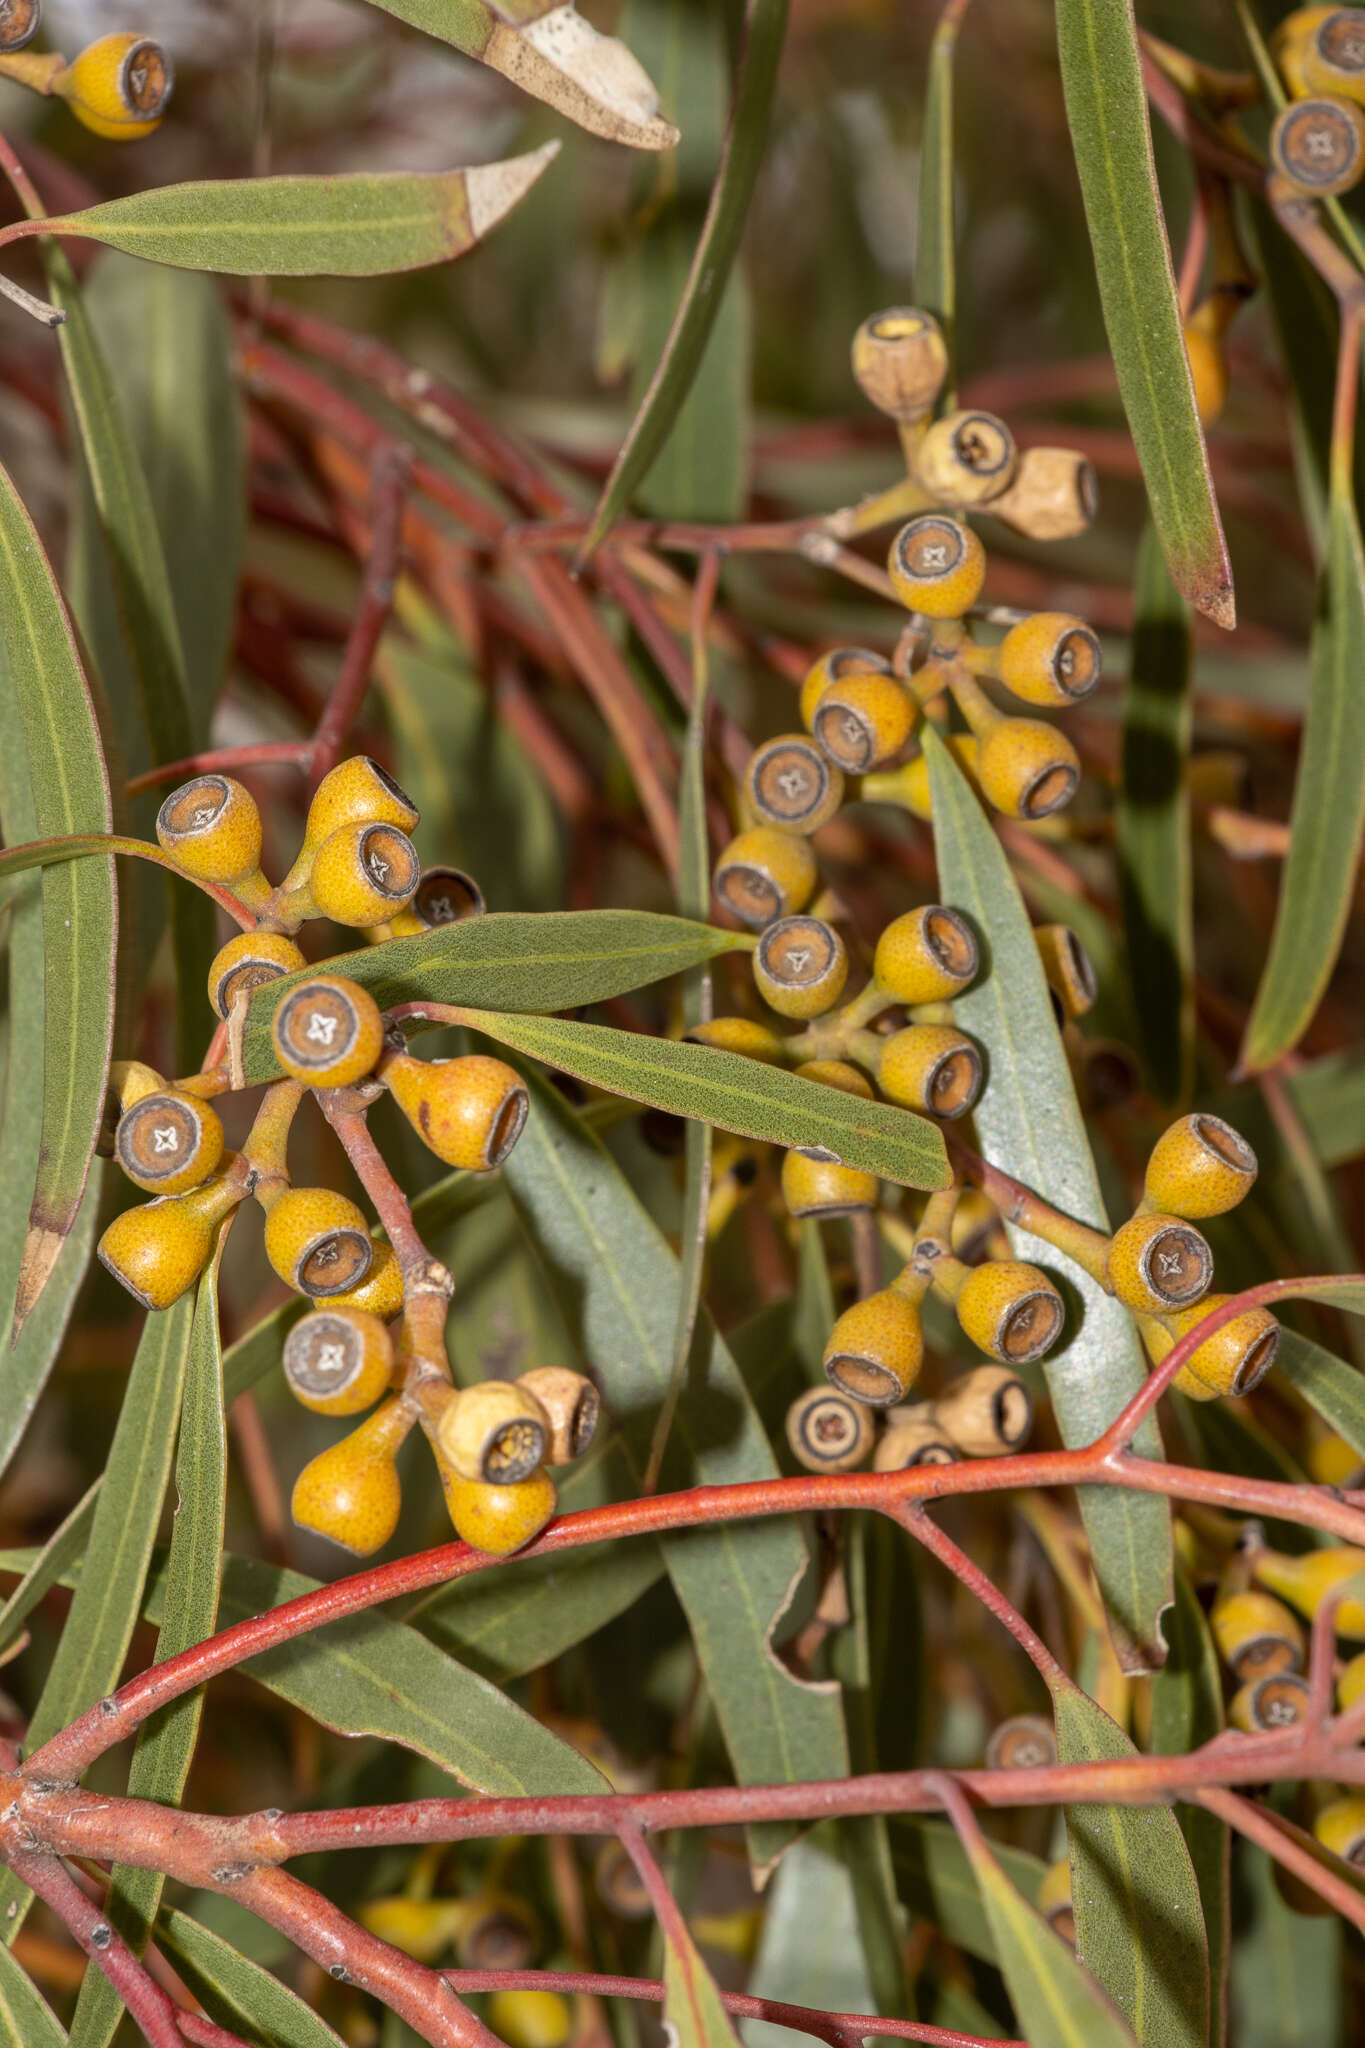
x=390 y=468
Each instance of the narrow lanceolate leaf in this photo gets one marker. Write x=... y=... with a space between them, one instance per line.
x=617 y=1282
x=1287 y=1968
x=1153 y=827
x=810 y=1951
x=236 y=1992
x=516 y=960
x=547 y=48
x=165 y=1743
x=70 y=793
x=935 y=1881
x=694 y=2015
x=1327 y=1383
x=735 y=1093
x=1107 y=112
x=764 y=31
x=360 y=225
x=26 y=2019
x=1029 y=1124
x=1139 y=1917
x=1328 y=816
x=1187 y=1710
x=935 y=234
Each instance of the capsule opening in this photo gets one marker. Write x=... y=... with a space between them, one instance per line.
x=196 y=807
x=847 y=736
x=1013 y=1413
x=798 y=952
x=829 y=1428
x=1049 y=791
x=507 y=1125
x=389 y=859
x=1257 y=1360
x=322 y=1356
x=241 y=979
x=952 y=942
x=446 y=896
x=513 y=1451
x=1030 y=1327
x=1024 y=1744
x=1279 y=1702
x=1318 y=144
x=983 y=444
x=334 y=1263
x=897 y=326
x=157 y=1137
x=954 y=1082
x=146 y=80
x=1078 y=967
x=497 y=1941
x=316 y=1025
x=389 y=784
x=1227 y=1145
x=1341 y=41
x=1266 y=1656
x=749 y=893
x=789 y=781
x=583 y=1421
x=19 y=22
x=1076 y=662
x=1177 y=1265
x=863 y=1379
x=930 y=549
x=856 y=661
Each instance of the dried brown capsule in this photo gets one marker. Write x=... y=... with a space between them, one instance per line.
x=966 y=458
x=1054 y=495
x=1319 y=145
x=792 y=785
x=1026 y=1742
x=900 y=361
x=572 y=1407
x=988 y=1412
x=919 y=1439
x=829 y=1431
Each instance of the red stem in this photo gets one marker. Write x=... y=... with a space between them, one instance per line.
x=1259 y=1827
x=293 y=752
x=918 y=1524
x=390 y=468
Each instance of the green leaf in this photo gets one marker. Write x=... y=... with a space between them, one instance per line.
x=165 y=1744
x=236 y=1992
x=717 y=248
x=514 y=960
x=70 y=793
x=1287 y=1968
x=1329 y=1384
x=1030 y=1125
x=693 y=2015
x=934 y=1878
x=732 y=1092
x=1152 y=825
x=592 y=78
x=1139 y=1919
x=810 y=1951
x=1329 y=1095
x=1187 y=1710
x=618 y=1282
x=360 y=225
x=1106 y=109
x=26 y=2019
x=1328 y=816
x=936 y=235
x=55 y=1564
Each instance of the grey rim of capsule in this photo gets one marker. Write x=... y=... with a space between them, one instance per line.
x=1256 y=1362
x=242 y=978
x=1317 y=144
x=1229 y=1147
x=751 y=894
x=1025 y=1742
x=856 y=661
x=390 y=862
x=933 y=1450
x=20 y=21
x=583 y=1423
x=174 y=1128
x=1012 y=1413
x=1051 y=789
x=1265 y=1655
x=316 y=1025
x=146 y=80
x=513 y=1451
x=1076 y=964
x=1177 y=1265
x=193 y=808
x=447 y=896
x=497 y=1941
x=983 y=444
x=1280 y=1701
x=322 y=1355
x=508 y=1125
x=789 y=781
x=827 y=1424
x=1341 y=40
x=953 y=1082
x=846 y=733
x=333 y=1263
x=619 y=1883
x=798 y=952
x=392 y=787
x=930 y=548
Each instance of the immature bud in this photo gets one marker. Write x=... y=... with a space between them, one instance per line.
x=900 y=361
x=1054 y=1900
x=1340 y=1827
x=765 y=874
x=469 y=1111
x=19 y=23
x=1068 y=969
x=1010 y=1309
x=987 y=1412
x=825 y=1187
x=496 y=1432
x=862 y=720
x=918 y=1439
x=966 y=458
x=318 y=1241
x=248 y=961
x=500 y=1519
x=327 y=1032
x=571 y=1405
x=530 y=2019
x=350 y=1493
x=931 y=1068
x=927 y=956
x=362 y=874
x=1257 y=1636
x=837 y=666
x=1051 y=659
x=828 y=1431
x=937 y=566
x=800 y=966
x=742 y=1035
x=1054 y=495
x=876 y=1348
x=169 y=1142
x=1232 y=1360
x=1155 y=1264
x=211 y=828
x=1026 y=1742
x=1265 y=1703
x=338 y=1361
x=792 y=786
x=1319 y=145
x=1199 y=1167
x=444 y=896
x=1306 y=1580
x=118 y=87
x=1026 y=768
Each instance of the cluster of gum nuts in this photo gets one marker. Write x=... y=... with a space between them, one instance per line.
x=1318 y=140
x=119 y=87
x=374 y=1333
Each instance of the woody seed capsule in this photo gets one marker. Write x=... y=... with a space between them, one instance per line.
x=1319 y=145
x=791 y=785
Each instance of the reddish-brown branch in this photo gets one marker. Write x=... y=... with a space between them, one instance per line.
x=918 y=1524
x=374 y=1174
x=227 y=760
x=389 y=471
x=1259 y=1827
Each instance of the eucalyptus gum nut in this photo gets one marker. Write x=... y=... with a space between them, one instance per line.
x=318 y=1242
x=530 y=2019
x=1290 y=41
x=791 y=784
x=248 y=961
x=937 y=566
x=158 y=1249
x=931 y=1068
x=1155 y=1264
x=919 y=1441
x=362 y=874
x=765 y=874
x=1306 y=1581
x=927 y=956
x=900 y=361
x=572 y=1407
x=469 y=1111
x=1050 y=659
x=742 y=1035
x=1199 y=1167
x=1010 y=1309
x=380 y=1293
x=338 y=1361
x=421 y=1928
x=1340 y=1827
x=837 y=666
x=824 y=1187
x=1333 y=53
x=1025 y=1742
x=837 y=1074
x=169 y=1142
x=496 y=1932
x=800 y=966
x=1054 y=496
x=327 y=1032
x=1027 y=769
x=966 y=458
x=211 y=828
x=495 y=1432
x=1280 y=1701
x=444 y=896
x=619 y=1885
x=864 y=720
x=1318 y=144
x=1256 y=1635
x=500 y=1519
x=357 y=792
x=20 y=21
x=1231 y=1360
x=828 y=1431
x=118 y=87
x=987 y=1412
x=1067 y=966
x=875 y=1349
x=350 y=1493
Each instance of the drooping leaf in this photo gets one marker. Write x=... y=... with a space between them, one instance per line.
x=1187 y=1710
x=1106 y=109
x=237 y=1992
x=26 y=2019
x=1030 y=1125
x=514 y=960
x=70 y=793
x=1152 y=824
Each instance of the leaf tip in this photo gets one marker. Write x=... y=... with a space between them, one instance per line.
x=593 y=78
x=42 y=1248
x=492 y=190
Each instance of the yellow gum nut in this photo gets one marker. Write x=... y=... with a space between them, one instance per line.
x=927 y=956
x=1319 y=145
x=327 y=1031
x=920 y=1439
x=1351 y=1684
x=765 y=874
x=159 y=1249
x=469 y=1111
x=1154 y=1264
x=1067 y=966
x=1333 y=1462
x=169 y=1142
x=1052 y=659
x=1232 y=1360
x=1026 y=768
x=380 y=1293
x=937 y=566
x=800 y=966
x=1306 y=1581
x=875 y=1349
x=338 y=1361
x=966 y=458
x=318 y=1241
x=1025 y=1742
x=863 y=720
x=792 y=785
x=363 y=874
x=836 y=667
x=930 y=1067
x=987 y=1412
x=1280 y=1701
x=825 y=1187
x=422 y=1928
x=1208 y=360
x=350 y=1493
x=1256 y=1635
x=571 y=1405
x=246 y=962
x=496 y=1432
x=1054 y=1899
x=1290 y=41
x=500 y=1519
x=444 y=896
x=530 y=2019
x=909 y=784
x=118 y=87
x=1199 y=1167
x=1331 y=55
x=900 y=361
x=358 y=792
x=211 y=828
x=1340 y=1827
x=742 y=1035
x=837 y=1074
x=829 y=1431
x=1054 y=495
x=1010 y=1309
